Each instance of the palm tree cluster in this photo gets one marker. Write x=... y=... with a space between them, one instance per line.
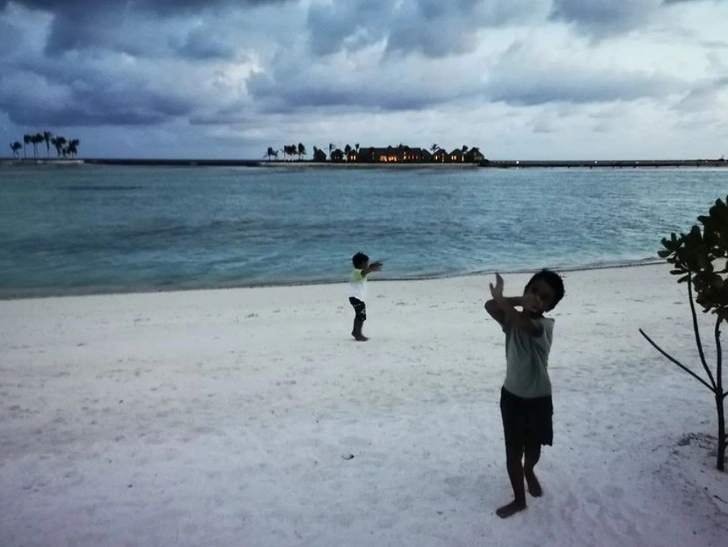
x=290 y=151
x=64 y=147
x=352 y=153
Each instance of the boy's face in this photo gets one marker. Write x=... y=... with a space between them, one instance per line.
x=539 y=297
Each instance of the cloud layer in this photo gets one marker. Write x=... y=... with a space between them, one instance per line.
x=234 y=75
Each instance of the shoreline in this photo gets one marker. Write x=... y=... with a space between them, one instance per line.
x=309 y=164
x=38 y=294
x=5 y=162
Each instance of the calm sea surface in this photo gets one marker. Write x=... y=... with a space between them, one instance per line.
x=107 y=229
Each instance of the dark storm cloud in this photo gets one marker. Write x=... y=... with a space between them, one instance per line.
x=595 y=87
x=667 y=2
x=10 y=37
x=355 y=23
x=297 y=92
x=604 y=17
x=431 y=27
x=91 y=100
x=79 y=24
x=85 y=85
x=204 y=44
x=438 y=29
x=523 y=77
x=159 y=6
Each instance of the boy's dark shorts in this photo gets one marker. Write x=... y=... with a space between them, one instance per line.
x=526 y=420
x=360 y=308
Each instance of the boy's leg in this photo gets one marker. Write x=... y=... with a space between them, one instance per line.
x=514 y=433
x=357 y=334
x=539 y=431
x=533 y=454
x=515 y=474
x=359 y=318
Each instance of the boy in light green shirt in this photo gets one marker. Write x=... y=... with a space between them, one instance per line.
x=358 y=292
x=526 y=405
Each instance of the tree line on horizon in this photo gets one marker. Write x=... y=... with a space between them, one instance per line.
x=336 y=154
x=64 y=147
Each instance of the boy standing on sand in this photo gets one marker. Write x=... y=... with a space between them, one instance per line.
x=526 y=406
x=358 y=292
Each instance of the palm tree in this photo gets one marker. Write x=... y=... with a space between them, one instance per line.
x=47 y=138
x=27 y=139
x=357 y=147
x=347 y=151
x=270 y=153
x=36 y=140
x=73 y=147
x=434 y=148
x=332 y=146
x=15 y=147
x=464 y=149
x=59 y=143
x=301 y=150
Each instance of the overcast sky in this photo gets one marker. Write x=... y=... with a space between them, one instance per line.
x=521 y=79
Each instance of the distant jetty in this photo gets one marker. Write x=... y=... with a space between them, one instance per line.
x=296 y=164
x=614 y=164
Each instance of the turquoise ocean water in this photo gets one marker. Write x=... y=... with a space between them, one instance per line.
x=107 y=229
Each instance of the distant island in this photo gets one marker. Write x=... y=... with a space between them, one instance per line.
x=390 y=154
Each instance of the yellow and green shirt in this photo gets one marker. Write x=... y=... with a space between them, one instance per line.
x=358 y=284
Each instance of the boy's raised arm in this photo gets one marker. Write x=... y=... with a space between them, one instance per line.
x=519 y=319
x=496 y=312
x=510 y=313
x=374 y=267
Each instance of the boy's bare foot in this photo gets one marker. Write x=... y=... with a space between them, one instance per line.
x=359 y=337
x=534 y=487
x=511 y=509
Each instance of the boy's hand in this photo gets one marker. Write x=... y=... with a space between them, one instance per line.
x=497 y=290
x=376 y=266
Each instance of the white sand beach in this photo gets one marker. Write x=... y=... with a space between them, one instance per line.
x=249 y=417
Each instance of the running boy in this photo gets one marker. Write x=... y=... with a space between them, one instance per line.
x=358 y=291
x=525 y=403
